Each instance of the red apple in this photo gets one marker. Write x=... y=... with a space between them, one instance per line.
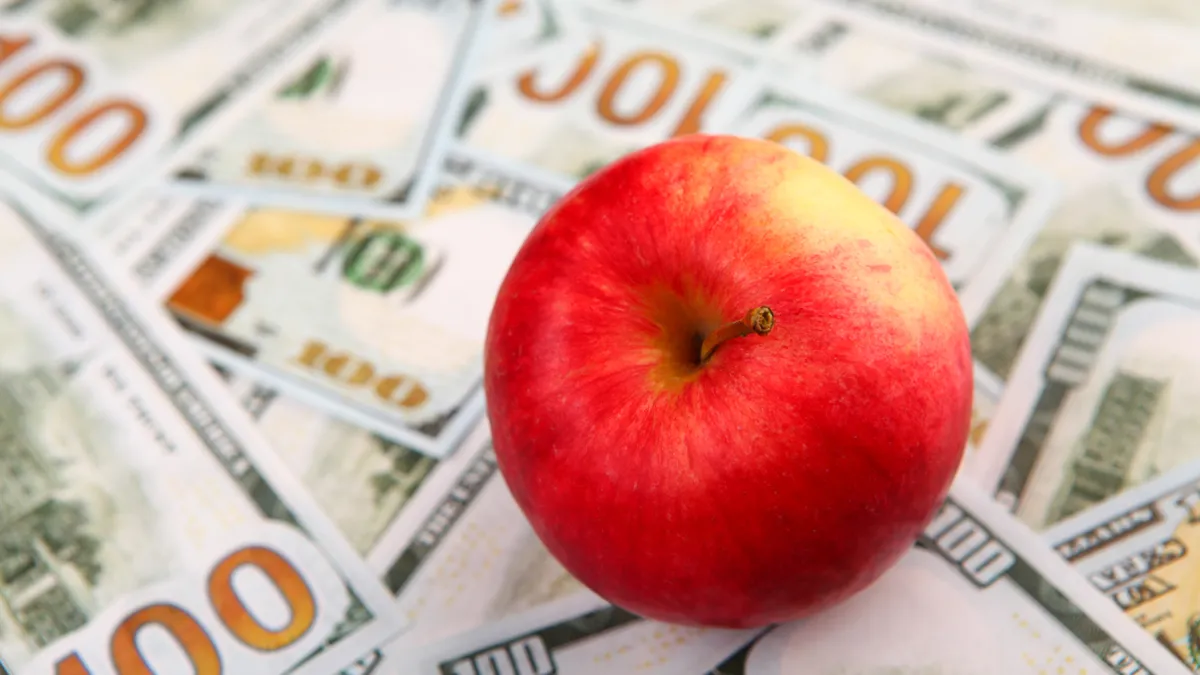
x=789 y=466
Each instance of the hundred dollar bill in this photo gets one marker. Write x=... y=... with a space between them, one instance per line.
x=756 y=21
x=146 y=524
x=361 y=480
x=1104 y=396
x=463 y=554
x=434 y=530
x=380 y=323
x=968 y=201
x=1138 y=549
x=580 y=634
x=624 y=83
x=522 y=26
x=1123 y=179
x=1148 y=14
x=1143 y=66
x=1157 y=38
x=138 y=229
x=360 y=123
x=860 y=54
x=989 y=598
x=97 y=95
x=365 y=483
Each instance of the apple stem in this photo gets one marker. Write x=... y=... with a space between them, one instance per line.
x=758 y=320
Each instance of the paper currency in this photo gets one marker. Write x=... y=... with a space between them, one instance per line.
x=1179 y=12
x=990 y=597
x=863 y=55
x=96 y=96
x=523 y=26
x=138 y=496
x=580 y=103
x=1144 y=66
x=360 y=124
x=445 y=536
x=380 y=323
x=578 y=635
x=1123 y=179
x=140 y=228
x=463 y=554
x=460 y=556
x=983 y=407
x=967 y=201
x=361 y=480
x=756 y=21
x=1137 y=549
x=1104 y=395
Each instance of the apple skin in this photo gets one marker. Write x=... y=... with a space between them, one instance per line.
x=788 y=471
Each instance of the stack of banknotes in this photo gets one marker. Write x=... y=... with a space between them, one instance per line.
x=242 y=434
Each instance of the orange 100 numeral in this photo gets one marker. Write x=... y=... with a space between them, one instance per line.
x=347 y=175
x=668 y=82
x=901 y=175
x=71 y=79
x=193 y=639
x=1159 y=179
x=358 y=373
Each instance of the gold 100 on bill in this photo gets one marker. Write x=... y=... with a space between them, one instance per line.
x=378 y=322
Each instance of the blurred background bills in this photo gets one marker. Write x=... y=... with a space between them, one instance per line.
x=250 y=248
